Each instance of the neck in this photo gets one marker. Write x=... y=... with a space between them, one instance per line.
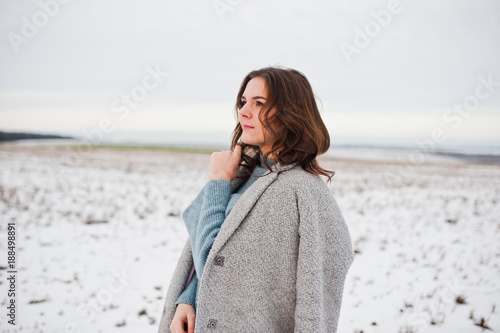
x=271 y=156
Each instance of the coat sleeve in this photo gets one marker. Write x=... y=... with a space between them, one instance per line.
x=176 y=287
x=324 y=257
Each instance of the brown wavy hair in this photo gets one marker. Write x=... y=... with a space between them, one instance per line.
x=301 y=134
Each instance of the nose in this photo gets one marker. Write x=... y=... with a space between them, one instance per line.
x=244 y=111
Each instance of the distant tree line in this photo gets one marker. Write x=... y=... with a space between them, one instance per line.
x=13 y=136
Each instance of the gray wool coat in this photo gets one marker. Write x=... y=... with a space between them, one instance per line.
x=278 y=263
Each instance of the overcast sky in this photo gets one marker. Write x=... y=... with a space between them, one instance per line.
x=382 y=69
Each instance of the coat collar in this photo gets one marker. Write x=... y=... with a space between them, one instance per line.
x=244 y=204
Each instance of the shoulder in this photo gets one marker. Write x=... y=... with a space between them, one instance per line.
x=311 y=192
x=303 y=182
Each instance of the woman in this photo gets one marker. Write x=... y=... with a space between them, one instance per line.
x=268 y=248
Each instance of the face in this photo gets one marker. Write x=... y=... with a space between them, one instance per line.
x=252 y=101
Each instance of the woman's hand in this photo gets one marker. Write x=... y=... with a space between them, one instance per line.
x=184 y=315
x=225 y=164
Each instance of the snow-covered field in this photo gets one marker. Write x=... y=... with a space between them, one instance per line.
x=99 y=233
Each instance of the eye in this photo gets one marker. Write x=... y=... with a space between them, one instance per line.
x=242 y=103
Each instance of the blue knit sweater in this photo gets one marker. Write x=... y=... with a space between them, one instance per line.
x=217 y=204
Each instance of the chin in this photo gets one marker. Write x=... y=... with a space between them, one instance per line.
x=246 y=140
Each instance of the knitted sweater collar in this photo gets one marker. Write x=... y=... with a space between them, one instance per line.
x=270 y=161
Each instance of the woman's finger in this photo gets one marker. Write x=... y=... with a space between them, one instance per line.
x=177 y=326
x=225 y=164
x=190 y=325
x=237 y=149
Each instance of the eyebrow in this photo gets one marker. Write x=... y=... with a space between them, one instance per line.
x=255 y=97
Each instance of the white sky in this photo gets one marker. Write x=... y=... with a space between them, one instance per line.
x=429 y=57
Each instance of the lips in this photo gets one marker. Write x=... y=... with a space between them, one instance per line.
x=246 y=126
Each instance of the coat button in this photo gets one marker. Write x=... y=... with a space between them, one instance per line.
x=219 y=260
x=212 y=323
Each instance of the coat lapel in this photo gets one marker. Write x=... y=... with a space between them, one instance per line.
x=243 y=206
